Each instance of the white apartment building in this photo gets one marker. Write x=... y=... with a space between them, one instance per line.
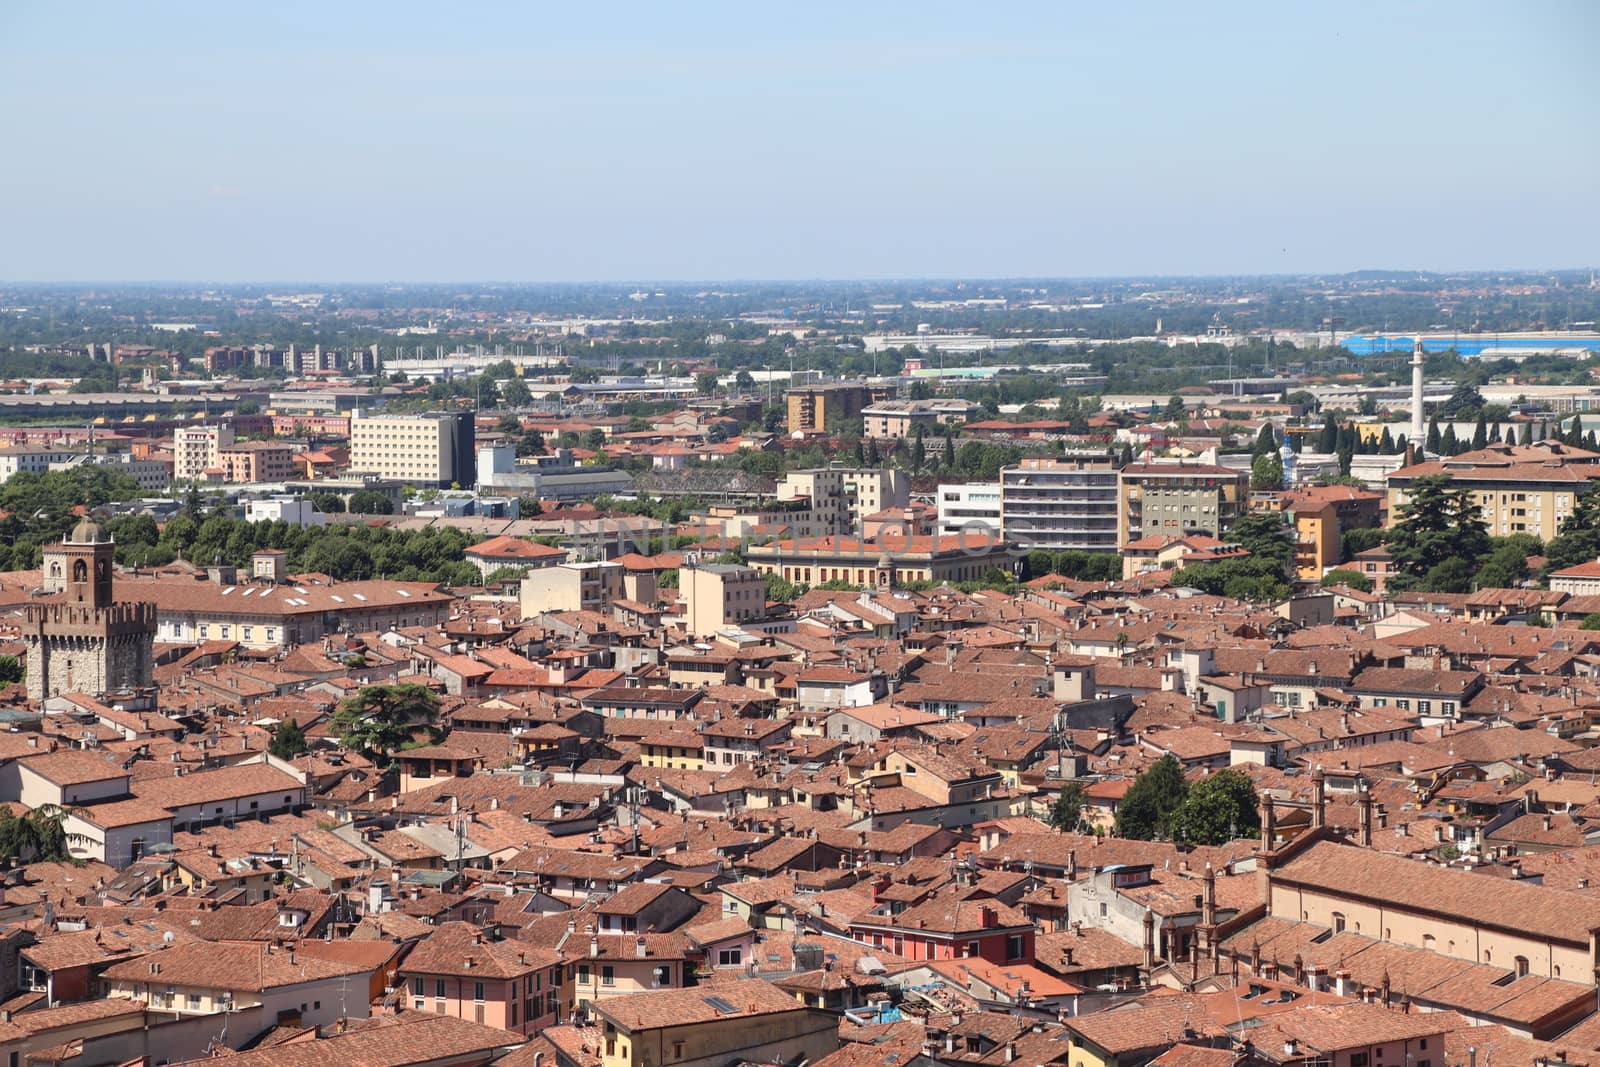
x=1061 y=503
x=974 y=506
x=293 y=510
x=23 y=459
x=196 y=449
x=430 y=450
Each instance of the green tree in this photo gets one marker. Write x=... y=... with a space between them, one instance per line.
x=1147 y=809
x=1480 y=434
x=11 y=670
x=1267 y=537
x=1358 y=540
x=705 y=382
x=37 y=836
x=1437 y=525
x=1266 y=472
x=1328 y=439
x=1345 y=576
x=1066 y=814
x=1174 y=411
x=343 y=558
x=288 y=740
x=1579 y=538
x=781 y=590
x=515 y=392
x=1464 y=402
x=1433 y=444
x=1217 y=810
x=1590 y=621
x=381 y=718
x=1507 y=565
x=327 y=503
x=370 y=502
x=1266 y=441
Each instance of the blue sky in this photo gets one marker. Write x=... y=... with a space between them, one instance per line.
x=548 y=142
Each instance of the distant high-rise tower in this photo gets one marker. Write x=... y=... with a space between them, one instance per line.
x=80 y=639
x=1419 y=429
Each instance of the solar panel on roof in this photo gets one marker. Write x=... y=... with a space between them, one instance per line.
x=722 y=1006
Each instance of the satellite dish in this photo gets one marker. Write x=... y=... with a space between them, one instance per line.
x=167 y=937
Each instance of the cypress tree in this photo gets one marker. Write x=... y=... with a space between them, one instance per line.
x=1386 y=443
x=1494 y=434
x=1480 y=434
x=1433 y=444
x=1328 y=440
x=1448 y=445
x=1511 y=435
x=1266 y=440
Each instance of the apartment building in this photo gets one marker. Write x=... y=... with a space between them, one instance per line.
x=257 y=461
x=841 y=496
x=1178 y=498
x=712 y=1025
x=882 y=566
x=1322 y=514
x=197 y=450
x=431 y=450
x=1518 y=488
x=34 y=460
x=974 y=506
x=718 y=595
x=900 y=419
x=1061 y=503
x=811 y=409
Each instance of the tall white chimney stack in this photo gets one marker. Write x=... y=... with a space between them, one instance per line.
x=1419 y=429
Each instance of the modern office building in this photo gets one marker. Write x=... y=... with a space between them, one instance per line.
x=1061 y=503
x=431 y=450
x=1179 y=499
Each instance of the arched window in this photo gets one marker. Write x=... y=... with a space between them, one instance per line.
x=1427 y=942
x=80 y=571
x=55 y=569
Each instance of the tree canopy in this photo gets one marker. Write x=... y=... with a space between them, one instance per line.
x=1066 y=814
x=1147 y=809
x=381 y=719
x=1439 y=537
x=1217 y=809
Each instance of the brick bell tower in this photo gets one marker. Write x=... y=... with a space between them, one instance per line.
x=81 y=639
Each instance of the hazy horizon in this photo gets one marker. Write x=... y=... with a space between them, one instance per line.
x=840 y=280
x=396 y=144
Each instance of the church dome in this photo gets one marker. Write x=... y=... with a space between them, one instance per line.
x=87 y=532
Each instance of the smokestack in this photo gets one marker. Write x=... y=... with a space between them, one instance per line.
x=1419 y=430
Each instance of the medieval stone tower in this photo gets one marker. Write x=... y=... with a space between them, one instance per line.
x=81 y=640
